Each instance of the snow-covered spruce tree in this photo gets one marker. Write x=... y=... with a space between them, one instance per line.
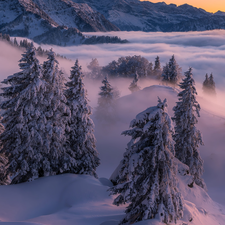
x=80 y=137
x=22 y=140
x=57 y=113
x=174 y=71
x=106 y=102
x=147 y=178
x=4 y=178
x=134 y=84
x=186 y=136
x=157 y=72
x=165 y=74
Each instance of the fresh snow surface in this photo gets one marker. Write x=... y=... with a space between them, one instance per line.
x=83 y=200
x=64 y=199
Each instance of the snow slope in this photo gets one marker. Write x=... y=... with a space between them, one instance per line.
x=83 y=200
x=65 y=199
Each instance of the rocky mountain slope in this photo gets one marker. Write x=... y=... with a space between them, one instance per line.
x=52 y=22
x=62 y=20
x=71 y=14
x=31 y=18
x=136 y=15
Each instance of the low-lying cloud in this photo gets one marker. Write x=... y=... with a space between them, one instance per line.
x=204 y=51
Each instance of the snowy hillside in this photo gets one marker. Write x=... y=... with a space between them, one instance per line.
x=83 y=200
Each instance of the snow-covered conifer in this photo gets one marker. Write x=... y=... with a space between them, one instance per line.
x=22 y=140
x=15 y=43
x=4 y=177
x=106 y=102
x=157 y=68
x=134 y=84
x=165 y=74
x=212 y=84
x=186 y=136
x=174 y=71
x=81 y=141
x=147 y=176
x=56 y=112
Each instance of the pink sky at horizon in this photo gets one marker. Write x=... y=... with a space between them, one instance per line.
x=210 y=6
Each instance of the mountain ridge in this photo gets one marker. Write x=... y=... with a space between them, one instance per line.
x=135 y=15
x=38 y=19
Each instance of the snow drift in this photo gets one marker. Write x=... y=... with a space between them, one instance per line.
x=83 y=200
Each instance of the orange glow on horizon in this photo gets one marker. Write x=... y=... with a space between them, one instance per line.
x=209 y=6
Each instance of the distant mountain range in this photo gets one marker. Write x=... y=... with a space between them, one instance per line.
x=136 y=15
x=53 y=21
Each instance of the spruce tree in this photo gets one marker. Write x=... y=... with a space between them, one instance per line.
x=187 y=137
x=174 y=71
x=205 y=86
x=209 y=86
x=57 y=113
x=22 y=140
x=157 y=68
x=134 y=84
x=212 y=84
x=106 y=102
x=147 y=178
x=81 y=141
x=166 y=74
x=4 y=177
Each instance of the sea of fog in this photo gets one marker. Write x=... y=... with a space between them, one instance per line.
x=203 y=51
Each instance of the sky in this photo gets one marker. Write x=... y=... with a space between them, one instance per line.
x=210 y=6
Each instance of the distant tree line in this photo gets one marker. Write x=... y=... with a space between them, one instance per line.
x=139 y=67
x=24 y=44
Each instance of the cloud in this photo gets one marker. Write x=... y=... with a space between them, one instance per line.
x=204 y=51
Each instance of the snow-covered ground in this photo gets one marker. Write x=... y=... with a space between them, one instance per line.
x=72 y=199
x=83 y=200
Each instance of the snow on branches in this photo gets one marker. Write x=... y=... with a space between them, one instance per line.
x=187 y=137
x=147 y=176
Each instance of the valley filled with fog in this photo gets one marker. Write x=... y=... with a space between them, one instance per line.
x=203 y=51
